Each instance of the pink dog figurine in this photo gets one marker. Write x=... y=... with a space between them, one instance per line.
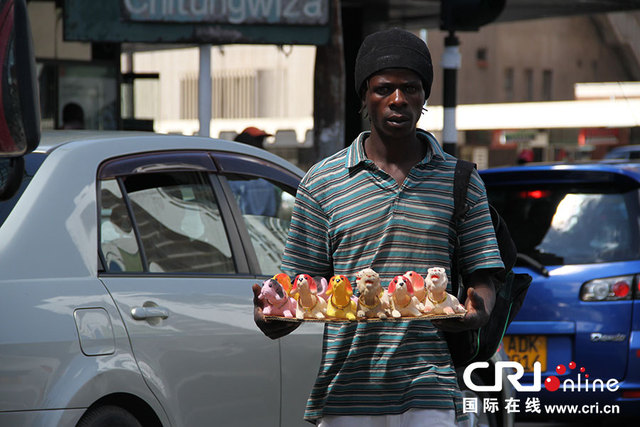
x=277 y=302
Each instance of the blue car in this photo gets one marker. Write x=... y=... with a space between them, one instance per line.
x=577 y=336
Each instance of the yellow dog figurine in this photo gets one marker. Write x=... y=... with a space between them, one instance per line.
x=340 y=304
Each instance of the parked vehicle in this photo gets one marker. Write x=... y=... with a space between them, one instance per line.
x=576 y=227
x=126 y=265
x=625 y=152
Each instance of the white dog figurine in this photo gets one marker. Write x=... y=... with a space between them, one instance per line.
x=373 y=300
x=438 y=300
x=310 y=305
x=403 y=301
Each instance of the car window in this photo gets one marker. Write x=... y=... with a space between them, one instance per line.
x=117 y=239
x=178 y=222
x=32 y=164
x=570 y=225
x=266 y=210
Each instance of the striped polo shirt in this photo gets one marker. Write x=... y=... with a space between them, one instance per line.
x=350 y=215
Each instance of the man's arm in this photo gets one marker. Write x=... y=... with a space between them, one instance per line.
x=481 y=297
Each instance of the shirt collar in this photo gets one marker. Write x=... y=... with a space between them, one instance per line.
x=356 y=155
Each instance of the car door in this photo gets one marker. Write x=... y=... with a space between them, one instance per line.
x=175 y=265
x=262 y=198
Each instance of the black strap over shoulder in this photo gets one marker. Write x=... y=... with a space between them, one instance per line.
x=461 y=178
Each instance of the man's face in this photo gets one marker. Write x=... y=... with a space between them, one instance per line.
x=394 y=101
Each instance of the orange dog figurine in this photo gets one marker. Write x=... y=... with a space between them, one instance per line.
x=340 y=304
x=284 y=280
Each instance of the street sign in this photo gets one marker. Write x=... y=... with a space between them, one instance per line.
x=303 y=22
x=272 y=12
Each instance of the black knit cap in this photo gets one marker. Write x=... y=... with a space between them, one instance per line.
x=394 y=48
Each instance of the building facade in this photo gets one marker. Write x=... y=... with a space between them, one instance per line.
x=271 y=87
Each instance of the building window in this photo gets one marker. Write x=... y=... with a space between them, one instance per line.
x=238 y=94
x=89 y=91
x=528 y=77
x=508 y=84
x=481 y=58
x=547 y=87
x=234 y=95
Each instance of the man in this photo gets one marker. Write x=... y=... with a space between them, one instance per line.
x=252 y=136
x=386 y=202
x=72 y=116
x=255 y=196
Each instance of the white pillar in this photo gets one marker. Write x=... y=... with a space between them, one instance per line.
x=451 y=64
x=204 y=91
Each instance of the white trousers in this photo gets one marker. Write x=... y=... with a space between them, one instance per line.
x=410 y=418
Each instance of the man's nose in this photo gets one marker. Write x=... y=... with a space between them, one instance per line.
x=398 y=97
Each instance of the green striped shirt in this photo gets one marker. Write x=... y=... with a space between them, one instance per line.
x=350 y=215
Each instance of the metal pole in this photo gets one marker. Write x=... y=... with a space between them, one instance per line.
x=450 y=65
x=204 y=91
x=329 y=91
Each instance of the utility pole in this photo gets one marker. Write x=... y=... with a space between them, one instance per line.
x=329 y=88
x=451 y=65
x=204 y=91
x=459 y=15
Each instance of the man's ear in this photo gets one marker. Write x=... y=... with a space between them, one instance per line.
x=363 y=96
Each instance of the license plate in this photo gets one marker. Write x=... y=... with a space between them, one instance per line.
x=526 y=349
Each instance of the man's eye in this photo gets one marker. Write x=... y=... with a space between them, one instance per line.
x=411 y=89
x=382 y=90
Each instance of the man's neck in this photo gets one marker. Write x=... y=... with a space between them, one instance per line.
x=395 y=156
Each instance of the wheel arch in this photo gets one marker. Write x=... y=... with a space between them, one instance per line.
x=135 y=405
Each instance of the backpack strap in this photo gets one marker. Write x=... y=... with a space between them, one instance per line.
x=461 y=177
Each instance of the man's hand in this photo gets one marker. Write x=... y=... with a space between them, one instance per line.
x=273 y=329
x=481 y=297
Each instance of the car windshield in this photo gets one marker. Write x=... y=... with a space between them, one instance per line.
x=560 y=225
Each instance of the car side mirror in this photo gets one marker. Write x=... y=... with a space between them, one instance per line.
x=19 y=105
x=20 y=118
x=20 y=115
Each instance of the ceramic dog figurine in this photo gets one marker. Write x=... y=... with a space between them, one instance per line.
x=276 y=301
x=438 y=300
x=403 y=301
x=322 y=287
x=373 y=300
x=340 y=302
x=310 y=305
x=284 y=280
x=417 y=282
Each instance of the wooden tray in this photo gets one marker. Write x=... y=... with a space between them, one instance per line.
x=373 y=319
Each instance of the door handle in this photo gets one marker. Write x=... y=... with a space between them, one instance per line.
x=144 y=313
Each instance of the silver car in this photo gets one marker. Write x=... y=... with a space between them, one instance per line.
x=126 y=265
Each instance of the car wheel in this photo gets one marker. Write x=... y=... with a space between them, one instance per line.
x=479 y=418
x=108 y=416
